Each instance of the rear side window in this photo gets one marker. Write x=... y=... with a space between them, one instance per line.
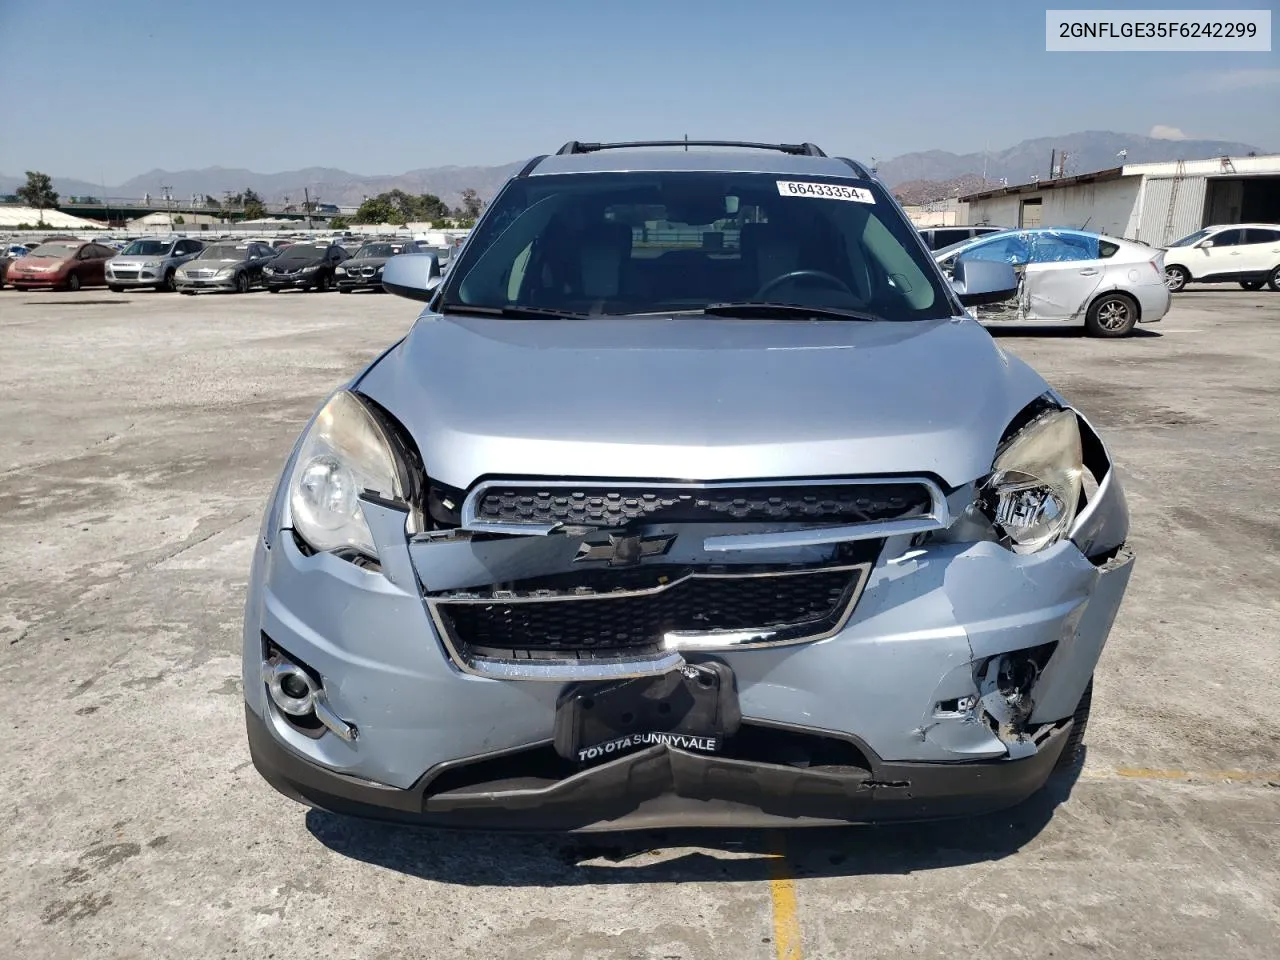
x=1062 y=247
x=1107 y=249
x=944 y=238
x=1254 y=235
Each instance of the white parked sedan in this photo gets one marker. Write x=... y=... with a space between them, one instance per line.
x=1244 y=253
x=1070 y=278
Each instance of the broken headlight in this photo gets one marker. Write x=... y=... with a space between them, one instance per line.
x=344 y=453
x=1033 y=490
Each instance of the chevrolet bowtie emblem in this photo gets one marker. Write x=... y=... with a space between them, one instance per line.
x=621 y=551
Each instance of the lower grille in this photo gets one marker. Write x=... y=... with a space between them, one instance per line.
x=647 y=610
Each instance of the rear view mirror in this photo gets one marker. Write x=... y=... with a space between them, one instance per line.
x=978 y=282
x=412 y=275
x=1205 y=244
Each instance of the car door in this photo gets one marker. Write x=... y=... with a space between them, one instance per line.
x=1218 y=256
x=92 y=267
x=1260 y=252
x=1062 y=275
x=1012 y=248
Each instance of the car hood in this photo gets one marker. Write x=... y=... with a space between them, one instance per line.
x=136 y=260
x=30 y=261
x=280 y=263
x=700 y=398
x=366 y=262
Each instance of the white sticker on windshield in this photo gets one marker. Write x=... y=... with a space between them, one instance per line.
x=826 y=191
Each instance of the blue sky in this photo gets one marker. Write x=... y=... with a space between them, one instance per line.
x=104 y=91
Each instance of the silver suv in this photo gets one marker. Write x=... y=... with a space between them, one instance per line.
x=693 y=497
x=150 y=262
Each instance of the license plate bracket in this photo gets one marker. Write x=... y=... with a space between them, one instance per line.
x=695 y=707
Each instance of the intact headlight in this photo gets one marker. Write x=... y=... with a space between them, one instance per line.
x=151 y=263
x=270 y=272
x=226 y=272
x=340 y=271
x=311 y=269
x=345 y=453
x=1033 y=490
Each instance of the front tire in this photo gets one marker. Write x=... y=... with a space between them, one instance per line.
x=242 y=283
x=166 y=285
x=344 y=289
x=1072 y=752
x=1252 y=284
x=322 y=283
x=1273 y=281
x=1176 y=278
x=115 y=289
x=1111 y=315
x=73 y=282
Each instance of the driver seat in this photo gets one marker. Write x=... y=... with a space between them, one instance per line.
x=768 y=251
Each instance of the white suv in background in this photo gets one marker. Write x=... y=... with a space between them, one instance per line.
x=1246 y=253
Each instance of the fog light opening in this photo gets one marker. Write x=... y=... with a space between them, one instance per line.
x=299 y=695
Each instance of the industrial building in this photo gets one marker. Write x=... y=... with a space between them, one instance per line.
x=1155 y=203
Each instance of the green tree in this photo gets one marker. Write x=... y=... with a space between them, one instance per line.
x=254 y=208
x=339 y=223
x=379 y=210
x=471 y=204
x=179 y=220
x=38 y=192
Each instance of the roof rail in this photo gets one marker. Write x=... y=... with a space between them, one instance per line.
x=858 y=168
x=797 y=149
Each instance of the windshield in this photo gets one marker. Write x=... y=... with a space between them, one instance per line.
x=1191 y=238
x=59 y=251
x=636 y=243
x=146 y=248
x=302 y=251
x=224 y=253
x=379 y=250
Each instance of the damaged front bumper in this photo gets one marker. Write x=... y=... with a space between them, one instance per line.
x=949 y=689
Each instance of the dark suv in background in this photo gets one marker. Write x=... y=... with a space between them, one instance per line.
x=935 y=238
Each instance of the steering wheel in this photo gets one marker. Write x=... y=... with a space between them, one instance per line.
x=796 y=275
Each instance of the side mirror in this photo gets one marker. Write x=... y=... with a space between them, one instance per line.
x=412 y=275
x=1205 y=244
x=977 y=282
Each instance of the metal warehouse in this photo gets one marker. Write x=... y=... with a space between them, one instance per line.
x=1153 y=202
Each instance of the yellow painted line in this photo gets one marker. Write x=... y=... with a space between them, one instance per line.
x=782 y=891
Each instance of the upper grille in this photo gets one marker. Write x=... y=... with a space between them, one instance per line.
x=615 y=505
x=781 y=605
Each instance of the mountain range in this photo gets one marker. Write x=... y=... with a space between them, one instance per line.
x=930 y=174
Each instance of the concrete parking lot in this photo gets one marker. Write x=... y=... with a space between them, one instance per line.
x=139 y=437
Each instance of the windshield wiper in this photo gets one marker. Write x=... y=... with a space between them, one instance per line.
x=516 y=313
x=783 y=311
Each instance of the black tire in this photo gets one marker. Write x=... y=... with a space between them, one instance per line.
x=242 y=282
x=187 y=293
x=1111 y=315
x=166 y=285
x=273 y=289
x=73 y=282
x=344 y=289
x=1071 y=753
x=1176 y=278
x=115 y=289
x=1273 y=281
x=322 y=283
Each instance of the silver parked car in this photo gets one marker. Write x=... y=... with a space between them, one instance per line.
x=693 y=497
x=226 y=266
x=1071 y=278
x=150 y=262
